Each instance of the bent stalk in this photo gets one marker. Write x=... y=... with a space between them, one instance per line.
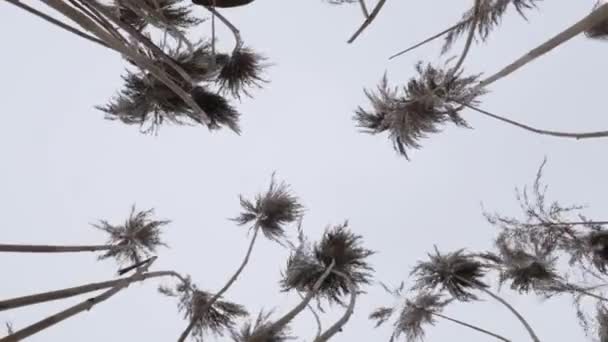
x=507 y=305
x=231 y=281
x=337 y=327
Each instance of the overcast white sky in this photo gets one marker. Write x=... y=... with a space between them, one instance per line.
x=63 y=166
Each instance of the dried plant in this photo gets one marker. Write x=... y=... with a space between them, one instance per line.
x=261 y=330
x=145 y=102
x=481 y=19
x=165 y=13
x=490 y=16
x=527 y=249
x=338 y=245
x=530 y=249
x=198 y=63
x=242 y=70
x=218 y=109
x=218 y=320
x=456 y=272
x=302 y=269
x=534 y=270
x=412 y=316
x=158 y=91
x=427 y=102
x=459 y=273
x=544 y=223
x=138 y=237
x=271 y=211
x=552 y=225
x=149 y=103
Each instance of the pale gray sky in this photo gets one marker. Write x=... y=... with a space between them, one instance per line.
x=64 y=166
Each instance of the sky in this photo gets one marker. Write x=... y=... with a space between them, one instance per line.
x=64 y=167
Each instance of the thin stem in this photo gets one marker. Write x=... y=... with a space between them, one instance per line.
x=53 y=248
x=213 y=58
x=60 y=316
x=87 y=9
x=69 y=312
x=570 y=223
x=44 y=297
x=237 y=34
x=337 y=327
x=583 y=135
x=140 y=60
x=316 y=316
x=594 y=18
x=364 y=8
x=430 y=39
x=467 y=45
x=231 y=281
x=279 y=324
x=136 y=265
x=595 y=287
x=506 y=304
x=367 y=21
x=471 y=326
x=586 y=292
x=58 y=23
